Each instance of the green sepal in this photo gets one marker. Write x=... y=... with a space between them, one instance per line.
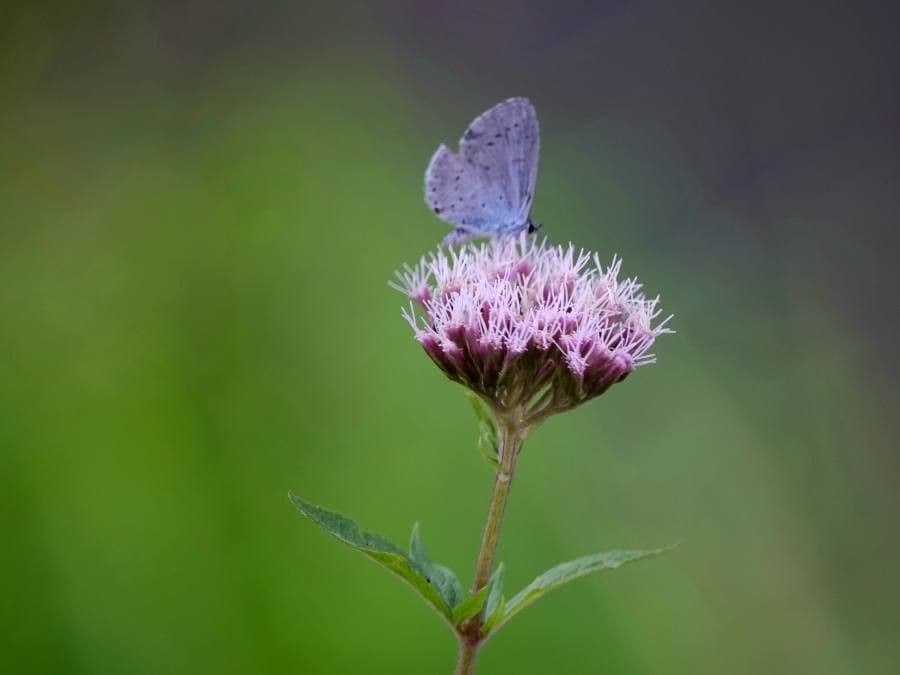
x=487 y=430
x=495 y=603
x=481 y=412
x=442 y=578
x=469 y=607
x=566 y=572
x=488 y=451
x=380 y=550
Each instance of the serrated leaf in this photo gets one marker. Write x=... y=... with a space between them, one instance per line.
x=493 y=606
x=469 y=607
x=377 y=548
x=442 y=578
x=566 y=572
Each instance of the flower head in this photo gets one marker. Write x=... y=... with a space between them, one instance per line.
x=532 y=328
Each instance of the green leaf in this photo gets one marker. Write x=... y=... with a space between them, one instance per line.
x=469 y=607
x=442 y=578
x=566 y=572
x=378 y=549
x=493 y=607
x=494 y=618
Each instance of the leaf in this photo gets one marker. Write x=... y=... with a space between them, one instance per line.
x=469 y=607
x=442 y=578
x=378 y=549
x=492 y=620
x=493 y=607
x=566 y=572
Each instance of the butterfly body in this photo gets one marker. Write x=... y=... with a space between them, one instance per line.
x=487 y=187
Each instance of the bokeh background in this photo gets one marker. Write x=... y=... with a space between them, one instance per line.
x=201 y=204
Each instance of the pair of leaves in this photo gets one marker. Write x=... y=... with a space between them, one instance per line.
x=438 y=585
x=488 y=602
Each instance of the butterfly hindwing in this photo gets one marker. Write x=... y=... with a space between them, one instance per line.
x=453 y=189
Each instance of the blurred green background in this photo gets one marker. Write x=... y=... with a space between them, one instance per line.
x=201 y=205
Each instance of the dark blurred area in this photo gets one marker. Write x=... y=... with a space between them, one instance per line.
x=201 y=205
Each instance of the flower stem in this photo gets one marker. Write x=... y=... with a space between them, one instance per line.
x=465 y=661
x=510 y=442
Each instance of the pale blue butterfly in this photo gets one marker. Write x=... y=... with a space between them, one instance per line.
x=486 y=188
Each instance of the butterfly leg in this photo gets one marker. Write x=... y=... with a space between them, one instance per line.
x=459 y=236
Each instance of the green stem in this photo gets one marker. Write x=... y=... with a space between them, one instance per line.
x=510 y=442
x=465 y=662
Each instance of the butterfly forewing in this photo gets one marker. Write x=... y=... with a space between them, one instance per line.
x=488 y=186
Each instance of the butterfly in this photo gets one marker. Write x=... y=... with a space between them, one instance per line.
x=486 y=188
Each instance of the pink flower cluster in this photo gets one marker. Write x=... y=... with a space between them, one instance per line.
x=530 y=327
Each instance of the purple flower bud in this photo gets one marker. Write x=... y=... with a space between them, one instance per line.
x=422 y=294
x=523 y=267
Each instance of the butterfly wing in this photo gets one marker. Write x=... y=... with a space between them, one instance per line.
x=508 y=136
x=488 y=186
